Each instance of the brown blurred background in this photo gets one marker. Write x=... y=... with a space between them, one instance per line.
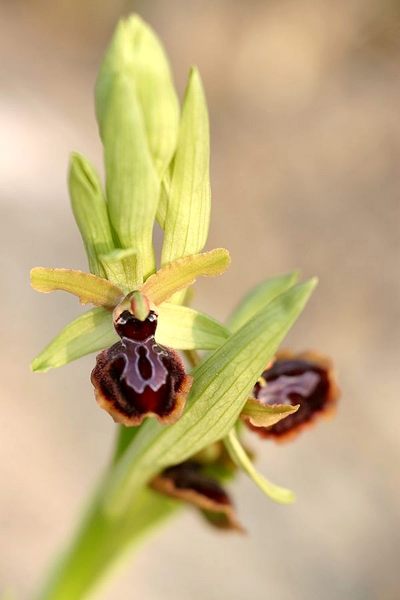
x=304 y=99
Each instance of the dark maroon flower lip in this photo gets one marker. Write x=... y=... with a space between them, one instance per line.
x=188 y=482
x=137 y=377
x=306 y=379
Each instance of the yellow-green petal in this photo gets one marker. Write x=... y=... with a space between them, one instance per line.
x=89 y=288
x=183 y=272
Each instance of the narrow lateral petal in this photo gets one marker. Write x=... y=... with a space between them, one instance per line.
x=89 y=288
x=263 y=415
x=183 y=272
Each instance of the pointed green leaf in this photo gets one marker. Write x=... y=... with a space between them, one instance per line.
x=89 y=288
x=132 y=182
x=90 y=211
x=258 y=297
x=178 y=327
x=90 y=332
x=137 y=52
x=222 y=384
x=188 y=209
x=184 y=328
x=239 y=456
x=182 y=272
x=261 y=415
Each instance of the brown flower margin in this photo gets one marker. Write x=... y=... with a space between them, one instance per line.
x=137 y=378
x=189 y=483
x=110 y=396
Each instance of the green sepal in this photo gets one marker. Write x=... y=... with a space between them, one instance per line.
x=178 y=327
x=121 y=266
x=163 y=201
x=187 y=217
x=90 y=212
x=137 y=52
x=90 y=332
x=132 y=182
x=258 y=297
x=240 y=458
x=184 y=328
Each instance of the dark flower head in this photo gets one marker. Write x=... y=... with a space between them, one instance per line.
x=137 y=377
x=188 y=482
x=304 y=379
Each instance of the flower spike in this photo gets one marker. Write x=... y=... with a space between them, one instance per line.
x=156 y=165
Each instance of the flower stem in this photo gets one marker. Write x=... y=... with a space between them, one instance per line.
x=103 y=539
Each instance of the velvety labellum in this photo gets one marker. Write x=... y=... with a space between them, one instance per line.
x=188 y=482
x=282 y=389
x=143 y=365
x=137 y=377
x=306 y=380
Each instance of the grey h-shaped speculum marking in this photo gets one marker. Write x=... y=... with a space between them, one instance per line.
x=152 y=354
x=278 y=390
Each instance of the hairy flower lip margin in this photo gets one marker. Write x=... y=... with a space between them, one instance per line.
x=138 y=378
x=306 y=379
x=189 y=483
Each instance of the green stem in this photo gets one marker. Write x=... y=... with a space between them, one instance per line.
x=103 y=539
x=124 y=436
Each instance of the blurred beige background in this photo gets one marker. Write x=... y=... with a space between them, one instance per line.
x=304 y=98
